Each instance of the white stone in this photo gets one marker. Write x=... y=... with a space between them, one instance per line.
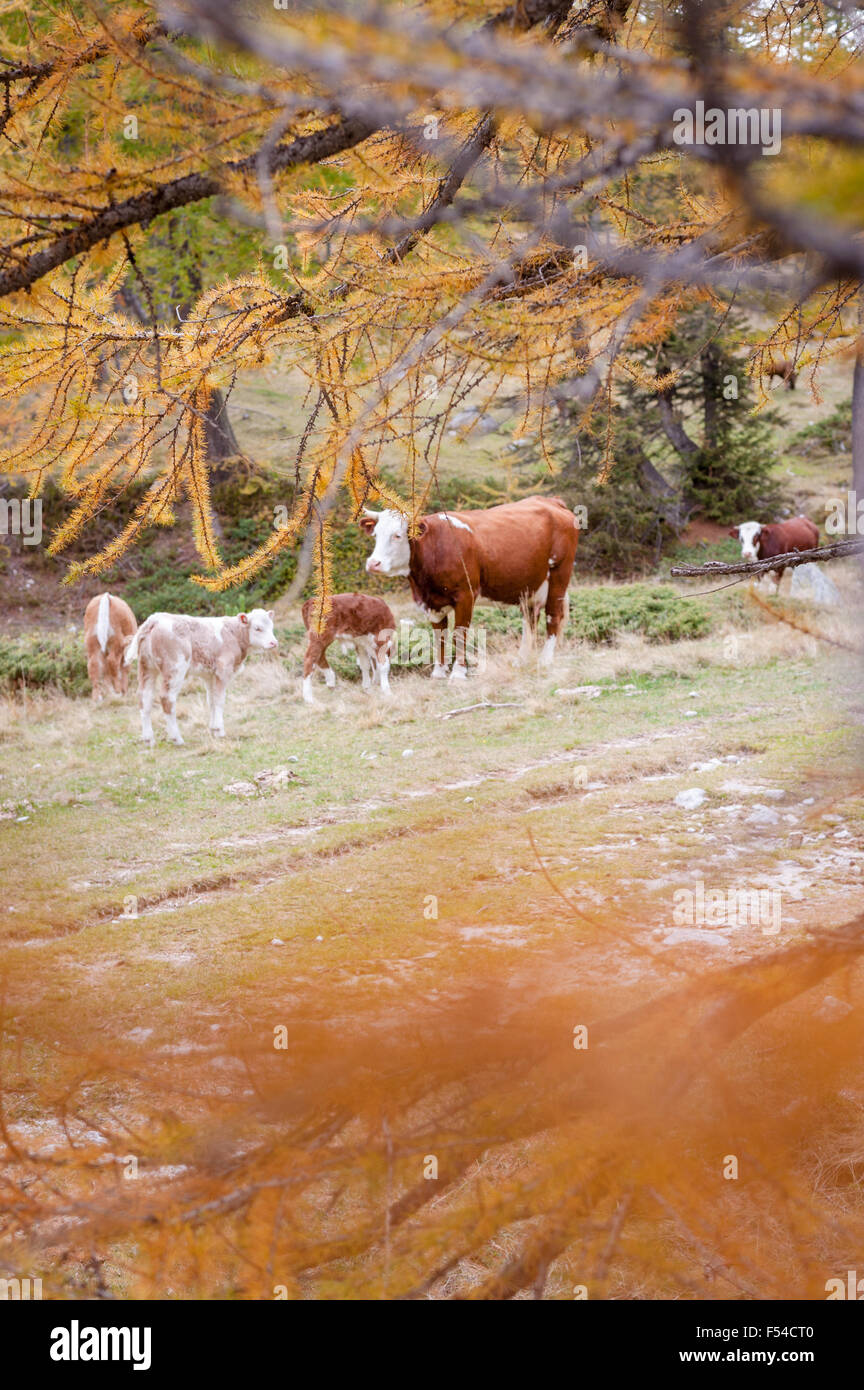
x=812 y=583
x=762 y=815
x=831 y=1010
x=691 y=799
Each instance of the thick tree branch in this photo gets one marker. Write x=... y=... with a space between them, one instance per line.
x=712 y=568
x=144 y=207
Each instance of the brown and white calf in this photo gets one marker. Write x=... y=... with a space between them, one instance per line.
x=364 y=621
x=519 y=552
x=109 y=626
x=170 y=645
x=760 y=542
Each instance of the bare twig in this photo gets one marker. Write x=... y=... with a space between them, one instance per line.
x=484 y=704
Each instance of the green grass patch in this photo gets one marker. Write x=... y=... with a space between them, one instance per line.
x=49 y=660
x=596 y=615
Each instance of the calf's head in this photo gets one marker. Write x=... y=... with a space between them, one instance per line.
x=392 y=553
x=260 y=625
x=748 y=534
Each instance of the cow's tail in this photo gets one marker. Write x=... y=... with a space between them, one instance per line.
x=103 y=622
x=131 y=652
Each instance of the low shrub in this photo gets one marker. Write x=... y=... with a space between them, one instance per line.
x=655 y=610
x=47 y=660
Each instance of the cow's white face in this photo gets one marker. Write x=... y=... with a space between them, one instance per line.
x=392 y=553
x=748 y=534
x=261 y=634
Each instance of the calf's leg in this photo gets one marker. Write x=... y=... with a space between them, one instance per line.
x=385 y=644
x=146 y=691
x=96 y=669
x=362 y=650
x=172 y=682
x=315 y=649
x=217 y=690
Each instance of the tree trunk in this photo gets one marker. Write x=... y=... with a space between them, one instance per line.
x=674 y=430
x=858 y=403
x=710 y=394
x=222 y=443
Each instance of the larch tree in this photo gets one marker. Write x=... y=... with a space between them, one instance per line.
x=438 y=200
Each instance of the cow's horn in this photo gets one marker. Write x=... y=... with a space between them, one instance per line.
x=367 y=511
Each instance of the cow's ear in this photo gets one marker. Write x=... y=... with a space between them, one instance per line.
x=271 y=613
x=733 y=531
x=243 y=618
x=422 y=528
x=367 y=524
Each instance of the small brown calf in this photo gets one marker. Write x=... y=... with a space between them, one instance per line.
x=109 y=626
x=366 y=622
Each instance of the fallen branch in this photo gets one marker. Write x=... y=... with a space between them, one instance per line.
x=484 y=704
x=795 y=557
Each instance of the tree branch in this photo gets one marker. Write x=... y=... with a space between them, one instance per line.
x=712 y=568
x=144 y=207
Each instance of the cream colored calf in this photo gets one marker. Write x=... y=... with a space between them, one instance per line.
x=171 y=645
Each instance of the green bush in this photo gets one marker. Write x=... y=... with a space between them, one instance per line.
x=46 y=661
x=833 y=435
x=596 y=615
x=655 y=610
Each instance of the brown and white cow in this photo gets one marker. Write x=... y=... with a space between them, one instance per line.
x=519 y=552
x=760 y=542
x=364 y=621
x=109 y=626
x=170 y=645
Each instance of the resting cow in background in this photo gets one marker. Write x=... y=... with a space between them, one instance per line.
x=171 y=644
x=760 y=542
x=357 y=618
x=109 y=625
x=519 y=552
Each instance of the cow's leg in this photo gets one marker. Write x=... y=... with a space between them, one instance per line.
x=172 y=682
x=463 y=611
x=529 y=629
x=556 y=615
x=146 y=690
x=439 y=649
x=531 y=607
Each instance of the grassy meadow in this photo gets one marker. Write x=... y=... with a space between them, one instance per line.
x=252 y=988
